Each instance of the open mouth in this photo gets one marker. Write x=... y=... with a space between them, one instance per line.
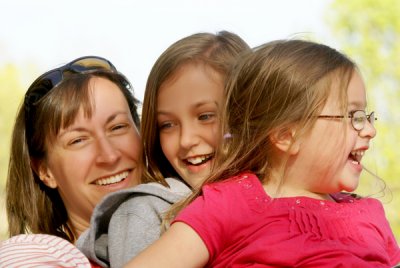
x=356 y=156
x=198 y=160
x=112 y=179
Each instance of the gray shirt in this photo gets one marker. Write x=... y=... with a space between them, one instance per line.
x=127 y=221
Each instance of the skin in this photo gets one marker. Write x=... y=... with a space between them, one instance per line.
x=92 y=150
x=333 y=168
x=187 y=107
x=190 y=251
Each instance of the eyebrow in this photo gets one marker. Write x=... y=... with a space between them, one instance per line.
x=81 y=129
x=196 y=105
x=357 y=103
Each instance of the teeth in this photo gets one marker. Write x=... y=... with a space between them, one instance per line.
x=198 y=159
x=112 y=179
x=357 y=155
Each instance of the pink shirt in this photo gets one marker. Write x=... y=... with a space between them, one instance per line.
x=243 y=227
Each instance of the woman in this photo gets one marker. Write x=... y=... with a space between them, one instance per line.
x=75 y=139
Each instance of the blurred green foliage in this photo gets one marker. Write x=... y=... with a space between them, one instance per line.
x=369 y=32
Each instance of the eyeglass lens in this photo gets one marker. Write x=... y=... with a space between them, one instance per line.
x=360 y=117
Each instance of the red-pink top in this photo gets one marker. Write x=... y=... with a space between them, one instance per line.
x=243 y=227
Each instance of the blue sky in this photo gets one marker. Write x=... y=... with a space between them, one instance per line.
x=132 y=34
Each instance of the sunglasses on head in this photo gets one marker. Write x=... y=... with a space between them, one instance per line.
x=49 y=80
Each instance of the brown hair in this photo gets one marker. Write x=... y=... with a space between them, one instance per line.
x=278 y=85
x=217 y=51
x=32 y=207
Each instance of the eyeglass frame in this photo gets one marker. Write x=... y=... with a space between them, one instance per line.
x=351 y=116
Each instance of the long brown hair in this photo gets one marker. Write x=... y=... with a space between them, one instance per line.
x=32 y=207
x=217 y=51
x=278 y=85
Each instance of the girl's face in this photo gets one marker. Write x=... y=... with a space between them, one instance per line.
x=94 y=156
x=333 y=152
x=187 y=108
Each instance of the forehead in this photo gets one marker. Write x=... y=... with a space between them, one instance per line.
x=356 y=92
x=347 y=93
x=191 y=83
x=98 y=94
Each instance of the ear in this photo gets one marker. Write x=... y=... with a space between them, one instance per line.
x=45 y=174
x=283 y=140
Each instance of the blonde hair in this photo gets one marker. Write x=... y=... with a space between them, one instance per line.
x=275 y=86
x=217 y=51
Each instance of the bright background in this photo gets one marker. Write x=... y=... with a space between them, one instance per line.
x=132 y=34
x=36 y=36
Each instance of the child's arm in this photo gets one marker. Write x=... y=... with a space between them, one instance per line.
x=180 y=246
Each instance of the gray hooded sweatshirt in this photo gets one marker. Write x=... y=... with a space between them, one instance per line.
x=127 y=221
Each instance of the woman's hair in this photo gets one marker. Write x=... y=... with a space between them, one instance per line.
x=32 y=207
x=217 y=51
x=276 y=87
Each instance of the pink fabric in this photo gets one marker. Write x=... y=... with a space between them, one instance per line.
x=243 y=227
x=40 y=250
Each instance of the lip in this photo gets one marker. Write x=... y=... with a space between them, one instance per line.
x=193 y=169
x=200 y=157
x=362 y=148
x=357 y=166
x=114 y=176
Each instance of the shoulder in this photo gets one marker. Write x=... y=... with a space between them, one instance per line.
x=49 y=250
x=227 y=195
x=144 y=194
x=246 y=186
x=245 y=180
x=344 y=197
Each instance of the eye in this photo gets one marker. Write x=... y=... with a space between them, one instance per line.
x=76 y=141
x=206 y=116
x=119 y=126
x=359 y=117
x=166 y=125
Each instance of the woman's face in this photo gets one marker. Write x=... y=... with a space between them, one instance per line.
x=94 y=156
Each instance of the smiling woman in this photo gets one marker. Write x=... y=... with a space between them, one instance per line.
x=75 y=139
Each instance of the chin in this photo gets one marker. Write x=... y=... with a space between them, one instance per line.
x=349 y=187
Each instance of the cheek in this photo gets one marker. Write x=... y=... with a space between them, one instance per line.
x=213 y=134
x=134 y=144
x=66 y=175
x=169 y=145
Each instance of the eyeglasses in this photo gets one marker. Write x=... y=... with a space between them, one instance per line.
x=358 y=118
x=49 y=80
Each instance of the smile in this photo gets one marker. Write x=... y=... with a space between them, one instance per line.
x=198 y=160
x=356 y=156
x=112 y=179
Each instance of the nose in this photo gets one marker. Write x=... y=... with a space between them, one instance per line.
x=188 y=136
x=107 y=152
x=368 y=131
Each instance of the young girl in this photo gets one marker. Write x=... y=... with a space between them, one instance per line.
x=296 y=115
x=179 y=130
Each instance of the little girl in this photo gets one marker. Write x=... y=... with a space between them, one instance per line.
x=184 y=94
x=298 y=126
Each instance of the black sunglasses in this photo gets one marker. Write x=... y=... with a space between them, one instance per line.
x=49 y=80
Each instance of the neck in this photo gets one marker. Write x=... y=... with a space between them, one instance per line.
x=78 y=225
x=280 y=184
